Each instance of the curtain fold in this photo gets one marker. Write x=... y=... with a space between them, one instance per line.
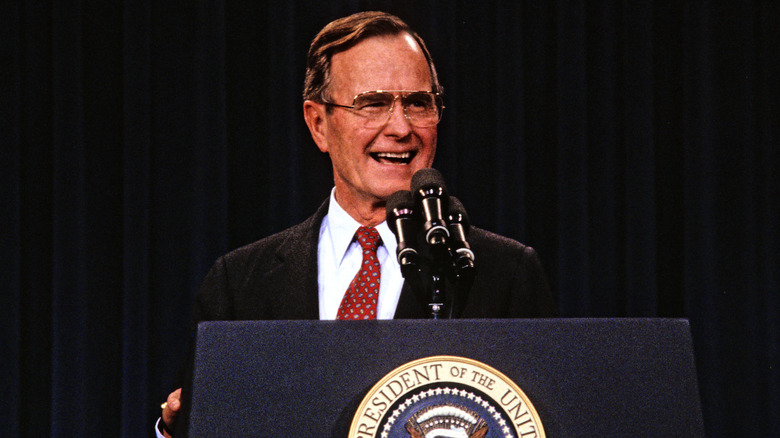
x=633 y=144
x=137 y=378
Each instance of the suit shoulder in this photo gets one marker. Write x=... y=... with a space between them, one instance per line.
x=265 y=246
x=487 y=241
x=510 y=273
x=299 y=237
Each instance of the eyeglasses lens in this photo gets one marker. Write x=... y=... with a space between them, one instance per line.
x=421 y=108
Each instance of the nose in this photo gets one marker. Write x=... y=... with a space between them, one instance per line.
x=398 y=124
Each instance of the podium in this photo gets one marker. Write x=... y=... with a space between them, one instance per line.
x=585 y=377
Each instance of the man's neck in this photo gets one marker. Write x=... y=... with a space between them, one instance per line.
x=367 y=212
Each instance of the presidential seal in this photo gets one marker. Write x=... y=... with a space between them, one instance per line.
x=446 y=397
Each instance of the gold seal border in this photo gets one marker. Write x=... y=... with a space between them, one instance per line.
x=382 y=383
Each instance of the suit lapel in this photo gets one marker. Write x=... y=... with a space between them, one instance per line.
x=294 y=277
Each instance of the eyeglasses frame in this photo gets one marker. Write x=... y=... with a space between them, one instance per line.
x=396 y=94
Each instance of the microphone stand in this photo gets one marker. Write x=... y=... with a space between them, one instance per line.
x=463 y=277
x=439 y=296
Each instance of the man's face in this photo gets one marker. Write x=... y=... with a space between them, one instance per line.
x=371 y=164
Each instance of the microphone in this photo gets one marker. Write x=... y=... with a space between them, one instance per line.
x=462 y=255
x=430 y=193
x=458 y=225
x=401 y=220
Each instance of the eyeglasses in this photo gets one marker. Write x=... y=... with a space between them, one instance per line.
x=422 y=108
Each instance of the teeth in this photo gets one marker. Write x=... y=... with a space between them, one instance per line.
x=396 y=156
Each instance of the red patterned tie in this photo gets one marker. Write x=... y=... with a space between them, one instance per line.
x=361 y=297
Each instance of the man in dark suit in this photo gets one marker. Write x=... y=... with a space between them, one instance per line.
x=372 y=102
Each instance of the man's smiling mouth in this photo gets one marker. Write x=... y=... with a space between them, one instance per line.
x=394 y=157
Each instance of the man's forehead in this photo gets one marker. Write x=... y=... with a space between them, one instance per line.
x=411 y=42
x=373 y=47
x=381 y=60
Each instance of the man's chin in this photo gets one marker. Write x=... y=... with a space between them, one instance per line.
x=398 y=178
x=388 y=190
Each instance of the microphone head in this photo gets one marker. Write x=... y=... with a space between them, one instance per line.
x=457 y=213
x=400 y=219
x=400 y=199
x=400 y=203
x=428 y=178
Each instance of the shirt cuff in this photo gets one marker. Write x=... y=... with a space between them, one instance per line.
x=157 y=428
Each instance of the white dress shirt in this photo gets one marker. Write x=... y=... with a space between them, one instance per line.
x=339 y=257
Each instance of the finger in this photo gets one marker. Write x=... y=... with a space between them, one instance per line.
x=171 y=407
x=174 y=400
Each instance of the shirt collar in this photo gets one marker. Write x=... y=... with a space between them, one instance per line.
x=342 y=227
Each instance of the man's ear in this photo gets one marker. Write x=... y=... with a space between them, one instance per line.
x=314 y=114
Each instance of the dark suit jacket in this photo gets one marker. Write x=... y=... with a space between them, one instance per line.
x=276 y=278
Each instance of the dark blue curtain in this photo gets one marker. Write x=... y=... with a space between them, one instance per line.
x=634 y=144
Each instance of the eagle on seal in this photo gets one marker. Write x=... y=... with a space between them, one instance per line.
x=446 y=421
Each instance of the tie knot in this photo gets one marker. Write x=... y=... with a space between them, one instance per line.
x=368 y=238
